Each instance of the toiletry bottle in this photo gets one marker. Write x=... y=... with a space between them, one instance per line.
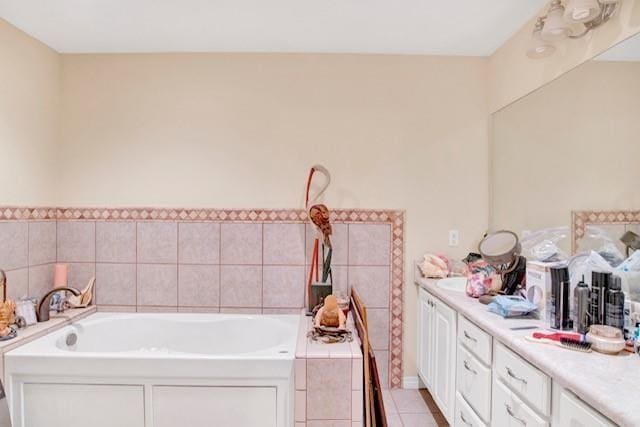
x=599 y=285
x=560 y=302
x=581 y=296
x=615 y=304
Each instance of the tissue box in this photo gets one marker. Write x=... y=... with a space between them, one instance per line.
x=539 y=286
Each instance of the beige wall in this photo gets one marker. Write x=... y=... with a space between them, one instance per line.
x=513 y=75
x=572 y=145
x=29 y=98
x=225 y=130
x=241 y=130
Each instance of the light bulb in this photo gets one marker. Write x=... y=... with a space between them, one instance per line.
x=580 y=11
x=539 y=48
x=555 y=28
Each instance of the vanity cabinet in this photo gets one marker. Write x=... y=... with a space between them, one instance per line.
x=477 y=381
x=437 y=328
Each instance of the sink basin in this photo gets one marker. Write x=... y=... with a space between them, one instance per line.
x=457 y=284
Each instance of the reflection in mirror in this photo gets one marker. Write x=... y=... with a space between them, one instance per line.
x=573 y=145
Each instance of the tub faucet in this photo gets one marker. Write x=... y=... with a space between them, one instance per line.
x=45 y=302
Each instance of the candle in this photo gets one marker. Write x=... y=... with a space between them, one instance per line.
x=60 y=276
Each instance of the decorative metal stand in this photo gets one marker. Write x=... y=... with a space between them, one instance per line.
x=318 y=289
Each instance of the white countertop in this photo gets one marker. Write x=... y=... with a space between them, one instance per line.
x=610 y=384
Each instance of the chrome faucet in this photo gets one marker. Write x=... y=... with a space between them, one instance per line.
x=45 y=302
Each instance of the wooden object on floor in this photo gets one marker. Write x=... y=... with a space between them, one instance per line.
x=359 y=307
x=378 y=414
x=374 y=412
x=364 y=339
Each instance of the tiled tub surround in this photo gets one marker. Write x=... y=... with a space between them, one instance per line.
x=328 y=382
x=249 y=261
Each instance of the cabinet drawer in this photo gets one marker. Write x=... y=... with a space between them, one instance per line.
x=475 y=339
x=568 y=410
x=474 y=383
x=510 y=411
x=528 y=382
x=465 y=415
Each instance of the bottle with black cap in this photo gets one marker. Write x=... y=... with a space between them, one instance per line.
x=581 y=295
x=560 y=302
x=599 y=284
x=615 y=304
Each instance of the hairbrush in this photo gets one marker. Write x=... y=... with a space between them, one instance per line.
x=567 y=342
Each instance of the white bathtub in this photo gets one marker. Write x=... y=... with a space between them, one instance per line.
x=157 y=370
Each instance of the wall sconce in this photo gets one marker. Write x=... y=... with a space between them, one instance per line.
x=574 y=20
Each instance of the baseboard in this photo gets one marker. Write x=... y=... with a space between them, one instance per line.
x=411 y=382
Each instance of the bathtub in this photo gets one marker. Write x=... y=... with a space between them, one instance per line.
x=157 y=370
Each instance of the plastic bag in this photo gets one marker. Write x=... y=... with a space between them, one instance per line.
x=596 y=239
x=632 y=263
x=628 y=271
x=544 y=245
x=511 y=306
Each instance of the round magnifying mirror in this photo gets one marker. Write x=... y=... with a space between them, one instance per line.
x=500 y=248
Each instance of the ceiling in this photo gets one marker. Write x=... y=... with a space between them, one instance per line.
x=444 y=27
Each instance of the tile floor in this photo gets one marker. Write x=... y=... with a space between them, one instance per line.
x=412 y=408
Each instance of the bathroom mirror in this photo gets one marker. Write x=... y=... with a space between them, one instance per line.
x=572 y=147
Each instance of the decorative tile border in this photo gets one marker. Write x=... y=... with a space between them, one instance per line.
x=397 y=300
x=235 y=215
x=395 y=218
x=581 y=219
x=15 y=213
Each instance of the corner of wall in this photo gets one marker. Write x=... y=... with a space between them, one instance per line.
x=29 y=140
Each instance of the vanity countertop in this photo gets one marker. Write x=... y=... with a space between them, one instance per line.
x=609 y=384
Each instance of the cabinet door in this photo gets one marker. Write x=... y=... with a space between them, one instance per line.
x=444 y=347
x=568 y=410
x=424 y=338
